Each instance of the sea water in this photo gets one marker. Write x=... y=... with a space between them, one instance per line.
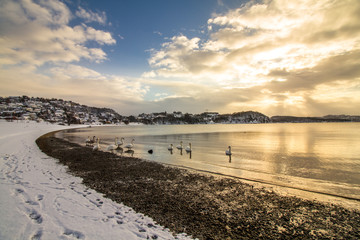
x=314 y=157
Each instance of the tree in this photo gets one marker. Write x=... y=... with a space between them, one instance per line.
x=132 y=118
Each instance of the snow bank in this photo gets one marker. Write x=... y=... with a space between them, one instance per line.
x=39 y=200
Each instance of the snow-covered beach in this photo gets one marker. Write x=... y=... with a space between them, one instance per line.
x=40 y=200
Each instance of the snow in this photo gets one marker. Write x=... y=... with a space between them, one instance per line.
x=40 y=200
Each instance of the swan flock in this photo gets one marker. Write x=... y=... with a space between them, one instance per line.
x=119 y=142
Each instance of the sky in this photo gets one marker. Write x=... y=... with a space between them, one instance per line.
x=277 y=57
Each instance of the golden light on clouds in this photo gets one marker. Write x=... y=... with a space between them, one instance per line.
x=288 y=47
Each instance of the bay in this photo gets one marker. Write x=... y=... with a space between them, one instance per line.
x=312 y=157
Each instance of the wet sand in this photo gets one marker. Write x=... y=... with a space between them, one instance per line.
x=202 y=205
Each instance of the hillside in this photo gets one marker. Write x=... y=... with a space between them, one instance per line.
x=67 y=112
x=54 y=111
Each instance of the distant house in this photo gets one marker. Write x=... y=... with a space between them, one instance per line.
x=178 y=114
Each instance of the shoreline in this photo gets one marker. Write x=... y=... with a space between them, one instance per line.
x=201 y=205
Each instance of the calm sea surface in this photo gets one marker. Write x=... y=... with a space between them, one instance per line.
x=315 y=157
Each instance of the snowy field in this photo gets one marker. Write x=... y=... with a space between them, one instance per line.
x=39 y=200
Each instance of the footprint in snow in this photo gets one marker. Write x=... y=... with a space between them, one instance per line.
x=40 y=197
x=76 y=234
x=34 y=215
x=30 y=202
x=37 y=235
x=19 y=190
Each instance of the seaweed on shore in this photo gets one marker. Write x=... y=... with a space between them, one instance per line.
x=204 y=206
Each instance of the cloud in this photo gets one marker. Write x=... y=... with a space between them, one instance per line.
x=220 y=2
x=340 y=98
x=90 y=16
x=75 y=83
x=332 y=69
x=39 y=32
x=247 y=43
x=41 y=51
x=158 y=33
x=278 y=54
x=76 y=80
x=194 y=97
x=99 y=36
x=71 y=71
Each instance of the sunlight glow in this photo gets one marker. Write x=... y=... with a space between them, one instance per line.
x=294 y=100
x=269 y=102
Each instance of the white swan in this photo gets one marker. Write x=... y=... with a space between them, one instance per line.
x=130 y=145
x=112 y=147
x=89 y=141
x=170 y=147
x=228 y=151
x=188 y=148
x=97 y=145
x=180 y=146
x=120 y=143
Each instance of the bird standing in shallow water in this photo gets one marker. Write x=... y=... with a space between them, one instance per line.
x=170 y=148
x=97 y=145
x=180 y=147
x=228 y=151
x=130 y=145
x=112 y=147
x=120 y=143
x=87 y=141
x=90 y=142
x=188 y=148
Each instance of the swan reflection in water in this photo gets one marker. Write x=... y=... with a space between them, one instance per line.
x=170 y=148
x=130 y=152
x=119 y=150
x=189 y=154
x=188 y=150
x=228 y=153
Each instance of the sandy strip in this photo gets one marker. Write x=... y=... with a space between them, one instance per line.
x=202 y=205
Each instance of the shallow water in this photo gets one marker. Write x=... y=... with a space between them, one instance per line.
x=315 y=157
